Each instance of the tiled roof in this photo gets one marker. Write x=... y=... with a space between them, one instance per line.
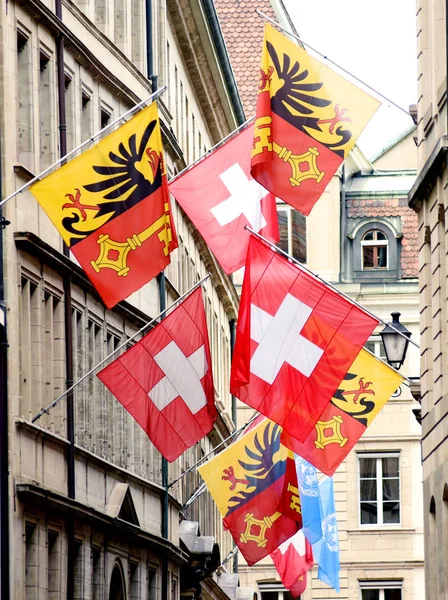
x=243 y=34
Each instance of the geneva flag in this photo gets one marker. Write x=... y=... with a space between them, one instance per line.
x=221 y=197
x=165 y=381
x=254 y=485
x=296 y=339
x=111 y=206
x=307 y=120
x=360 y=396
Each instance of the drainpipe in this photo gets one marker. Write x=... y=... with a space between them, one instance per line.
x=70 y=521
x=4 y=440
x=162 y=300
x=232 y=325
x=343 y=258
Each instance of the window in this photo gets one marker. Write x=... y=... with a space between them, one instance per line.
x=31 y=561
x=292 y=226
x=86 y=115
x=380 y=590
x=24 y=114
x=46 y=118
x=105 y=117
x=379 y=489
x=54 y=566
x=70 y=110
x=97 y=574
x=374 y=246
x=376 y=347
x=274 y=591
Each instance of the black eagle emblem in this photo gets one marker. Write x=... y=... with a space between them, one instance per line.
x=260 y=469
x=297 y=98
x=125 y=181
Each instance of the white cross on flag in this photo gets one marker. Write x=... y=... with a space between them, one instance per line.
x=293 y=559
x=165 y=381
x=220 y=196
x=296 y=339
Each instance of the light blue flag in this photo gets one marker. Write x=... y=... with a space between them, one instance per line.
x=309 y=499
x=326 y=550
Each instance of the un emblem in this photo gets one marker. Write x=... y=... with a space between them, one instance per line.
x=306 y=476
x=330 y=532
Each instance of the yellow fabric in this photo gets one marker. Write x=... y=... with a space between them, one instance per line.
x=372 y=375
x=215 y=472
x=359 y=106
x=54 y=191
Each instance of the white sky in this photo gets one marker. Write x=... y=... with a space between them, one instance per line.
x=376 y=41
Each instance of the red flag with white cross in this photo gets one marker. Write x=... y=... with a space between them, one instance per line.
x=293 y=559
x=220 y=196
x=165 y=381
x=296 y=339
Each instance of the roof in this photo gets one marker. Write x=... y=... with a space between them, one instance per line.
x=393 y=142
x=243 y=32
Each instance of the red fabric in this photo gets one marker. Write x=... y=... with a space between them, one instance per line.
x=201 y=188
x=135 y=373
x=274 y=173
x=259 y=525
x=335 y=327
x=113 y=288
x=293 y=559
x=329 y=458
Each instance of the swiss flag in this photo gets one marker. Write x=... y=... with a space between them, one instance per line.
x=165 y=381
x=220 y=196
x=296 y=339
x=293 y=559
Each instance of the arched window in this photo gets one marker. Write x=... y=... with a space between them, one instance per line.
x=117 y=588
x=374 y=247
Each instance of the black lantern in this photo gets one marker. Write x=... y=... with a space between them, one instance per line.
x=395 y=344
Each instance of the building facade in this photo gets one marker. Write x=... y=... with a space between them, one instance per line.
x=428 y=197
x=89 y=514
x=362 y=237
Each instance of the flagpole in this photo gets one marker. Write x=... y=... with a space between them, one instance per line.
x=215 y=147
x=232 y=435
x=330 y=285
x=140 y=331
x=277 y=24
x=91 y=140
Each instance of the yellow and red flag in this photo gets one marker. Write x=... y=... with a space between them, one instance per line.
x=307 y=120
x=111 y=206
x=254 y=485
x=360 y=396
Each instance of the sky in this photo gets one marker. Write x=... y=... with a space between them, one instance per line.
x=376 y=41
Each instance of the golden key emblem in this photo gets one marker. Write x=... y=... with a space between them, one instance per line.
x=303 y=166
x=113 y=255
x=252 y=523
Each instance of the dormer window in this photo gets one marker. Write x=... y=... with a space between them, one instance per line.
x=374 y=247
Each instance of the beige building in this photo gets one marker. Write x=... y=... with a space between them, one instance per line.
x=378 y=489
x=88 y=516
x=428 y=197
x=362 y=237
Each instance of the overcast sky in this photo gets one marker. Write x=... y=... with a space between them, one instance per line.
x=376 y=41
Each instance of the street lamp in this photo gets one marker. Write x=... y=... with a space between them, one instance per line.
x=395 y=345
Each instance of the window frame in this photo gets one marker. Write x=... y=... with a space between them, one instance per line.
x=380 y=585
x=379 y=499
x=376 y=339
x=282 y=207
x=393 y=235
x=375 y=243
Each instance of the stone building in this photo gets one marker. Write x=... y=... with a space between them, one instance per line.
x=86 y=506
x=428 y=197
x=362 y=237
